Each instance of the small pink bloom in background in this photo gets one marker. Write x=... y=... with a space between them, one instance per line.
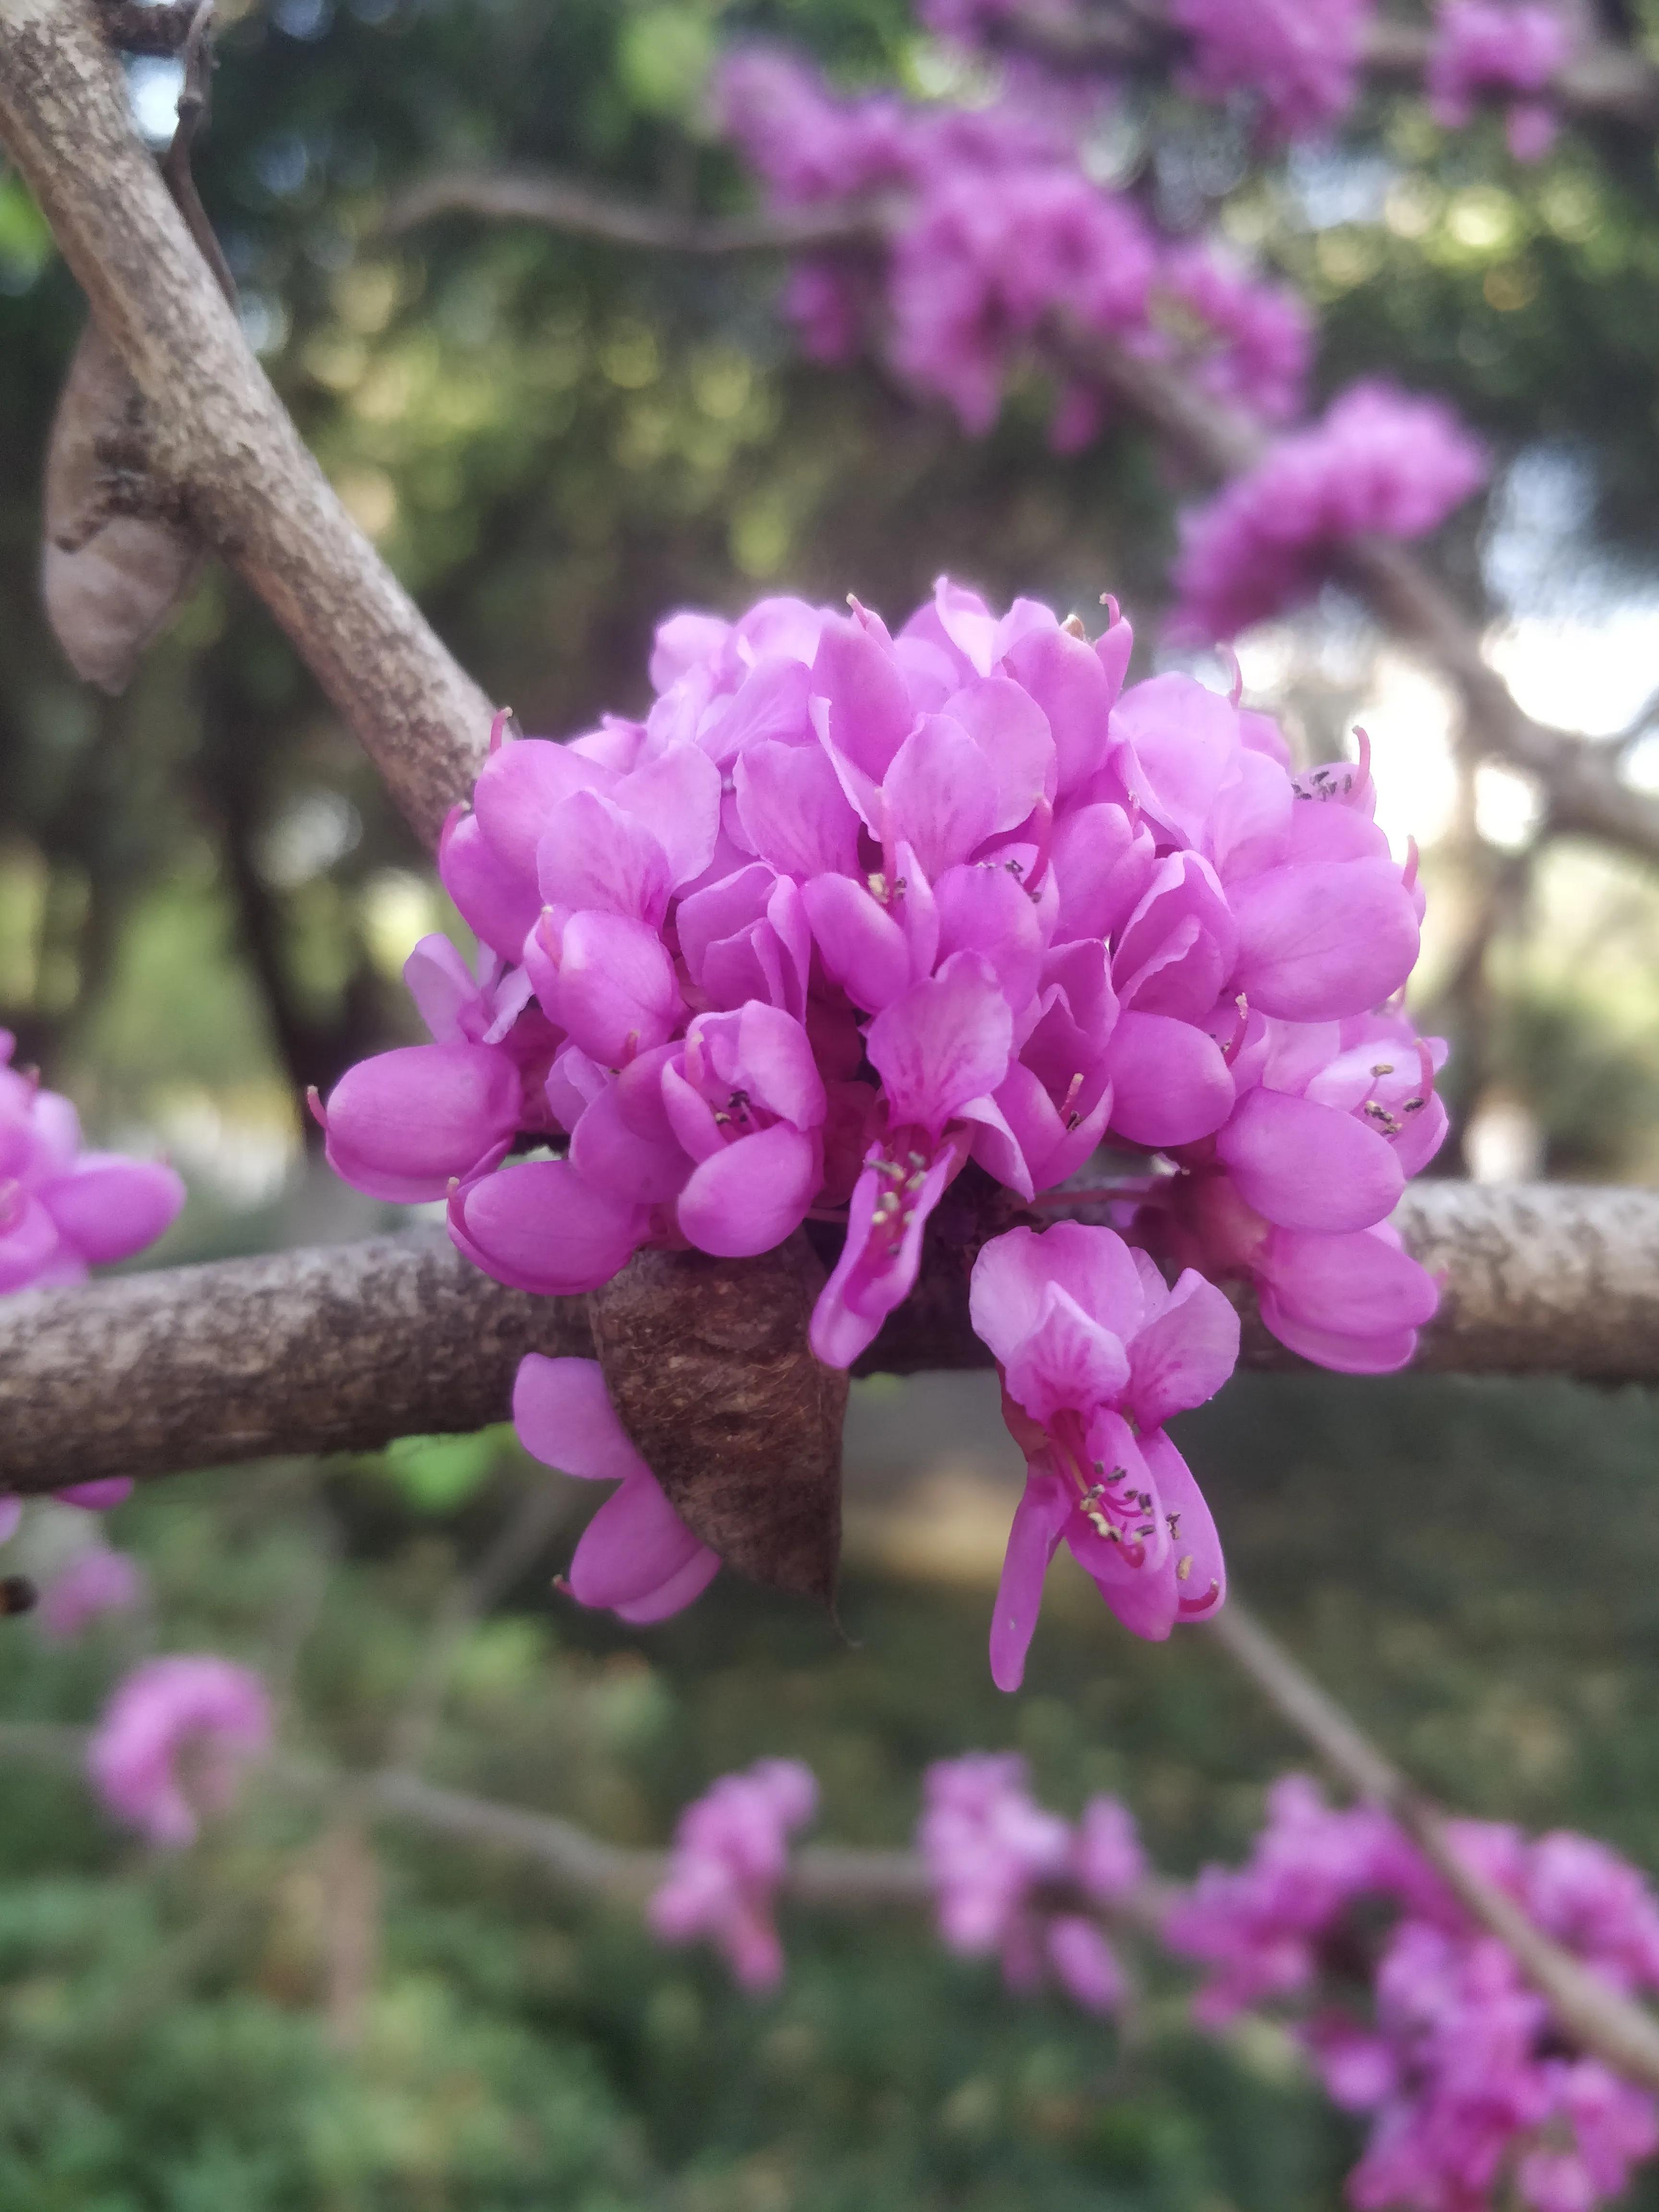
x=731 y=1853
x=173 y=1741
x=97 y=1580
x=1486 y=48
x=1379 y=462
x=1299 y=58
x=1016 y=1882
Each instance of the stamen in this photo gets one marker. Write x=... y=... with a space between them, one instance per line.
x=314 y=1106
x=498 y=729
x=1073 y=627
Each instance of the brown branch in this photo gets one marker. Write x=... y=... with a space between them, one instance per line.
x=212 y=427
x=583 y=210
x=1594 y=2014
x=345 y=1347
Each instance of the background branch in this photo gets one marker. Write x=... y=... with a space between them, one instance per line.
x=212 y=427
x=345 y=1347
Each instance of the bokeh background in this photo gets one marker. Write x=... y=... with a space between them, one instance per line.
x=204 y=906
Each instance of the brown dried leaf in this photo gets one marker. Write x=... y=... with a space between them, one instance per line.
x=707 y=1365
x=118 y=557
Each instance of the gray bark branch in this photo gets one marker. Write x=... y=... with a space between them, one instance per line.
x=345 y=1347
x=212 y=427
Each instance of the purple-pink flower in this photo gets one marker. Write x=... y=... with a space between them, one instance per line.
x=96 y=1581
x=1297 y=60
x=1018 y=1883
x=856 y=925
x=173 y=1741
x=63 y=1210
x=1095 y=1353
x=1379 y=464
x=731 y=1853
x=1419 y=2019
x=1486 y=48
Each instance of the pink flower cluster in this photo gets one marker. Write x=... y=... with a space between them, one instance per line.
x=62 y=1210
x=1380 y=463
x=731 y=1853
x=851 y=920
x=1487 y=47
x=173 y=1741
x=996 y=233
x=1020 y=1883
x=1298 y=60
x=1413 y=2015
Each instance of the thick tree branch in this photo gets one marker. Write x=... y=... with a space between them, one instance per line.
x=345 y=1347
x=1595 y=2015
x=212 y=427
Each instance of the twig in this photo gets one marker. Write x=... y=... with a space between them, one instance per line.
x=582 y=210
x=212 y=427
x=1594 y=2014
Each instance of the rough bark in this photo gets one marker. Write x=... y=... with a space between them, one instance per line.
x=208 y=421
x=344 y=1347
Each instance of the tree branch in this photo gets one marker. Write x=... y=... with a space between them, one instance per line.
x=581 y=211
x=1595 y=2015
x=344 y=1347
x=214 y=428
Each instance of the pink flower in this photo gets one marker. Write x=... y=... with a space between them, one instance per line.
x=1379 y=463
x=1300 y=58
x=1254 y=341
x=1088 y=1339
x=1014 y=1881
x=96 y=1581
x=1485 y=46
x=172 y=1742
x=635 y=1556
x=62 y=1210
x=731 y=1853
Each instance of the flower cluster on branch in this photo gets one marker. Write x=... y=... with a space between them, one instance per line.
x=872 y=930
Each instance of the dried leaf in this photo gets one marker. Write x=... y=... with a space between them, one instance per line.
x=707 y=1365
x=118 y=557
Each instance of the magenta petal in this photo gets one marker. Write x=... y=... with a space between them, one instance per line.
x=987 y=910
x=1201 y=1591
x=862 y=947
x=1323 y=941
x=404 y=1124
x=498 y=902
x=1013 y=1274
x=29 y=1243
x=442 y=986
x=615 y=991
x=1064 y=676
x=564 y=1418
x=1102 y=864
x=793 y=811
x=1039 y=1518
x=109 y=1207
x=1384 y=1353
x=633 y=1546
x=1013 y=731
x=640 y=1170
x=708 y=917
x=1360 y=1284
x=98 y=1497
x=946 y=1040
x=688 y=1582
x=1304 y=1166
x=538 y=1226
x=519 y=790
x=1171 y=1084
x=594 y=854
x=1184 y=1354
x=939 y=794
x=1181 y=743
x=1084 y=1963
x=748 y=1198
x=867 y=706
x=677 y=797
x=1068 y=1360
